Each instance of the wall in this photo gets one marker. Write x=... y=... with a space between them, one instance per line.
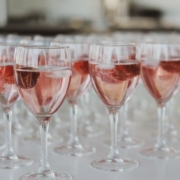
x=171 y=9
x=3 y=13
x=87 y=9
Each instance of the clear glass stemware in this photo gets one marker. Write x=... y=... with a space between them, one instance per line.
x=160 y=67
x=8 y=97
x=113 y=75
x=42 y=75
x=80 y=82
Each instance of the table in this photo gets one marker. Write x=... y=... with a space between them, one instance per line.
x=79 y=167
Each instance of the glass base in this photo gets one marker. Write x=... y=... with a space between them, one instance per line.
x=127 y=142
x=118 y=164
x=57 y=175
x=161 y=153
x=8 y=163
x=77 y=150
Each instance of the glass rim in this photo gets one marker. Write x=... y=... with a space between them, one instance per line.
x=18 y=42
x=123 y=44
x=69 y=42
x=159 y=43
x=81 y=58
x=42 y=46
x=128 y=61
x=8 y=44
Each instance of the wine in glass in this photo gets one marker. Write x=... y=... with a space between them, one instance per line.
x=160 y=68
x=42 y=75
x=112 y=76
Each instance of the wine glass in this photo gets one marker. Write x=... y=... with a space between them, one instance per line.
x=42 y=75
x=125 y=140
x=80 y=82
x=160 y=67
x=35 y=136
x=8 y=97
x=17 y=128
x=113 y=75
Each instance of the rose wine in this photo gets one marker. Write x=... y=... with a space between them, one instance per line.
x=80 y=79
x=43 y=90
x=160 y=80
x=114 y=83
x=8 y=90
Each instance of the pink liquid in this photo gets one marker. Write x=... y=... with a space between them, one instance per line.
x=80 y=79
x=114 y=83
x=43 y=90
x=8 y=90
x=160 y=80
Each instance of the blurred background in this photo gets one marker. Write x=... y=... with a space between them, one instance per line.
x=50 y=17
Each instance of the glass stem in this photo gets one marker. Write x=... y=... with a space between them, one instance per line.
x=123 y=130
x=8 y=153
x=84 y=114
x=114 y=153
x=44 y=164
x=74 y=140
x=17 y=124
x=161 y=118
x=170 y=125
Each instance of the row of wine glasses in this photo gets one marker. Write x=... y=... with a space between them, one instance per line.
x=45 y=74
